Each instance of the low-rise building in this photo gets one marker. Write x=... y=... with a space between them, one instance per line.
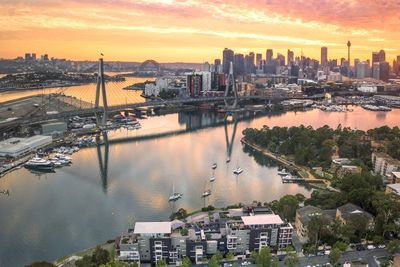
x=16 y=147
x=305 y=214
x=345 y=169
x=384 y=165
x=344 y=214
x=394 y=178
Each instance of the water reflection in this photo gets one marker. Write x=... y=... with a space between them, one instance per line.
x=229 y=142
x=103 y=161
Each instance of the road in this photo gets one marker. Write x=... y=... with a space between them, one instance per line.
x=367 y=255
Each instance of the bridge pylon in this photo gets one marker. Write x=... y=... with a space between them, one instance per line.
x=230 y=83
x=101 y=85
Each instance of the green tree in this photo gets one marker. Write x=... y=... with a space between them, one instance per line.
x=186 y=262
x=133 y=264
x=213 y=262
x=161 y=263
x=264 y=258
x=219 y=255
x=113 y=264
x=100 y=256
x=340 y=245
x=286 y=207
x=184 y=231
x=86 y=261
x=291 y=258
x=41 y=264
x=393 y=247
x=253 y=255
x=229 y=256
x=334 y=256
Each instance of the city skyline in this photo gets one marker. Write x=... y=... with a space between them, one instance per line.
x=196 y=31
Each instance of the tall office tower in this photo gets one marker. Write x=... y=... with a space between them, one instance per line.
x=250 y=63
x=348 y=52
x=27 y=56
x=206 y=66
x=290 y=57
x=269 y=55
x=217 y=65
x=227 y=58
x=324 y=56
x=382 y=56
x=375 y=57
x=33 y=56
x=375 y=70
x=281 y=59
x=259 y=61
x=238 y=64
x=362 y=70
x=384 y=71
x=356 y=62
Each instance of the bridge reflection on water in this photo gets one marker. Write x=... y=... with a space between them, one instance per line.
x=194 y=121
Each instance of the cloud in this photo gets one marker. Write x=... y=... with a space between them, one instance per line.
x=253 y=24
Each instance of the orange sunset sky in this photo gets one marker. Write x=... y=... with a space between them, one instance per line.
x=197 y=31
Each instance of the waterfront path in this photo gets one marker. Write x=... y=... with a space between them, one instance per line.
x=304 y=172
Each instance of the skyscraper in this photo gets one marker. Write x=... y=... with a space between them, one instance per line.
x=382 y=56
x=217 y=65
x=269 y=55
x=259 y=61
x=384 y=70
x=375 y=57
x=227 y=57
x=250 y=63
x=290 y=57
x=348 y=52
x=324 y=56
x=238 y=65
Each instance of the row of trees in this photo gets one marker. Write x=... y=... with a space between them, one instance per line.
x=312 y=147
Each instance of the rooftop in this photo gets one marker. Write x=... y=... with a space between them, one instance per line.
x=262 y=219
x=395 y=187
x=152 y=228
x=396 y=174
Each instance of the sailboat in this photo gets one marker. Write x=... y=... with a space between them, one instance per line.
x=174 y=196
x=238 y=170
x=206 y=193
x=214 y=166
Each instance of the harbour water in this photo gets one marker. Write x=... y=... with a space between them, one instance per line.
x=50 y=215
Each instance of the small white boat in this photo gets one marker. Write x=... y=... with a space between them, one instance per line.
x=228 y=159
x=283 y=172
x=212 y=178
x=174 y=197
x=214 y=166
x=238 y=171
x=206 y=193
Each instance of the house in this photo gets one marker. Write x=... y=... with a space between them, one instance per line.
x=394 y=178
x=345 y=212
x=345 y=169
x=393 y=188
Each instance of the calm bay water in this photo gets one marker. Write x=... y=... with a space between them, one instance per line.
x=51 y=215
